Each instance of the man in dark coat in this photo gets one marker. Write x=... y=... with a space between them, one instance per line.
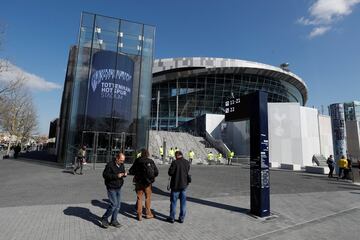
x=179 y=173
x=145 y=172
x=113 y=174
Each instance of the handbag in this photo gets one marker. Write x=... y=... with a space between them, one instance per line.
x=189 y=178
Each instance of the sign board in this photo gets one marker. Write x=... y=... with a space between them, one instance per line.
x=253 y=107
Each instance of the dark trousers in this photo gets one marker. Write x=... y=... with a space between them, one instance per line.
x=331 y=171
x=341 y=170
x=79 y=164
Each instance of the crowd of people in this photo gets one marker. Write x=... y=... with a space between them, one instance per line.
x=211 y=157
x=344 y=167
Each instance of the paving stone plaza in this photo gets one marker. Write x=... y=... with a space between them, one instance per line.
x=43 y=201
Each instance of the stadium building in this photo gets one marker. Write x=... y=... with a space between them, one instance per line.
x=186 y=88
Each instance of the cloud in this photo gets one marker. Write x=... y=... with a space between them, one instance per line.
x=32 y=81
x=318 y=31
x=324 y=13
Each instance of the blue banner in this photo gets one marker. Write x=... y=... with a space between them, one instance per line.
x=110 y=90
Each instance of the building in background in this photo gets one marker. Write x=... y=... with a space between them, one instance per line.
x=345 y=119
x=107 y=90
x=186 y=88
x=337 y=114
x=296 y=133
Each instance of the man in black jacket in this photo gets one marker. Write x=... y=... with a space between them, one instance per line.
x=113 y=174
x=179 y=173
x=145 y=172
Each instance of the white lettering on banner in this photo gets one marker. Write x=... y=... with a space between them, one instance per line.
x=101 y=75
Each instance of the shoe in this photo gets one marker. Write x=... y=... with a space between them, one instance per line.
x=116 y=224
x=81 y=173
x=139 y=218
x=149 y=216
x=181 y=220
x=170 y=220
x=104 y=223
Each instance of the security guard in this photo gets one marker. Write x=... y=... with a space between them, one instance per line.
x=210 y=157
x=230 y=156
x=191 y=155
x=171 y=155
x=218 y=157
x=161 y=151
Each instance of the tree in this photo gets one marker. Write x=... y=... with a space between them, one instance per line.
x=6 y=85
x=18 y=115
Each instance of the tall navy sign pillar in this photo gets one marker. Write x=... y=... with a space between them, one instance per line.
x=253 y=107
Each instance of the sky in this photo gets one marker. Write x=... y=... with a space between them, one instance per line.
x=320 y=39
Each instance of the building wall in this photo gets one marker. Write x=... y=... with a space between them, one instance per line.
x=213 y=124
x=325 y=131
x=238 y=137
x=285 y=143
x=310 y=138
x=296 y=133
x=337 y=115
x=353 y=135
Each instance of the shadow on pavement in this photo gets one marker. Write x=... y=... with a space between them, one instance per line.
x=127 y=210
x=68 y=171
x=205 y=202
x=83 y=213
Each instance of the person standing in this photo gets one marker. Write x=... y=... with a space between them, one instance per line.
x=145 y=172
x=161 y=151
x=342 y=163
x=331 y=164
x=230 y=156
x=171 y=155
x=17 y=150
x=210 y=157
x=113 y=174
x=80 y=160
x=218 y=157
x=180 y=179
x=191 y=155
x=349 y=169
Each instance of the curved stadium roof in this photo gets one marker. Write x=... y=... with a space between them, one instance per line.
x=170 y=68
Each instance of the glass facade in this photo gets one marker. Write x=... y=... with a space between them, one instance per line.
x=109 y=108
x=337 y=115
x=352 y=111
x=206 y=93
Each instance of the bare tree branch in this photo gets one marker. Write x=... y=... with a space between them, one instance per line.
x=17 y=113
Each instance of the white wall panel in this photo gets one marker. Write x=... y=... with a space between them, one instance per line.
x=309 y=134
x=326 y=141
x=284 y=133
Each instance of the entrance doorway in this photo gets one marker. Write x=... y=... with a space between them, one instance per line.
x=102 y=147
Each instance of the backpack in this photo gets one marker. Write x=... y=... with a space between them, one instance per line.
x=148 y=173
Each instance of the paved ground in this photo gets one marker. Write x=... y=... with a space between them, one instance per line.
x=43 y=201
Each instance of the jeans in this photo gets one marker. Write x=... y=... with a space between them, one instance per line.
x=115 y=203
x=173 y=199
